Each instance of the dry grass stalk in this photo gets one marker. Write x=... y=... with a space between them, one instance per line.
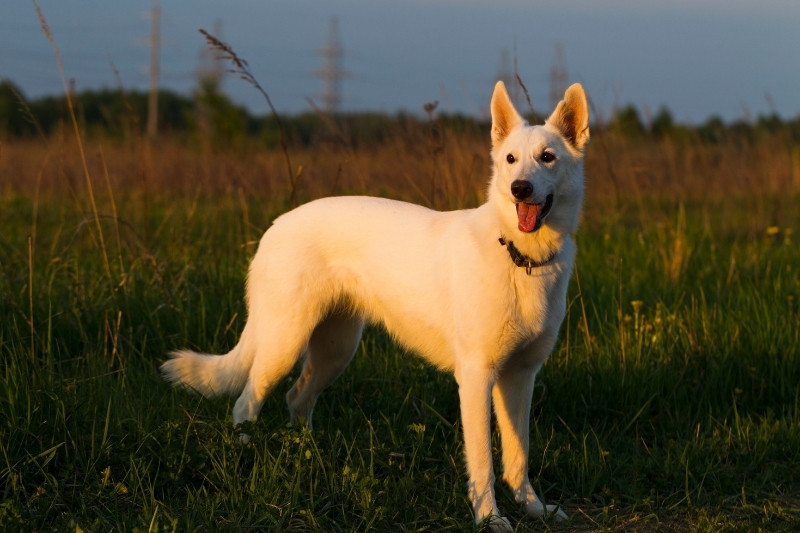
x=243 y=70
x=78 y=139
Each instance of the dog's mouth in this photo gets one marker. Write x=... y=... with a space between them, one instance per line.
x=531 y=216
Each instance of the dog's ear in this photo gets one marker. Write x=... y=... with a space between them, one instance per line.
x=504 y=116
x=571 y=117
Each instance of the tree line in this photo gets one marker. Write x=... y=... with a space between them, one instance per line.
x=209 y=114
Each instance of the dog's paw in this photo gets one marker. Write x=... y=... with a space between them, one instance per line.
x=244 y=438
x=548 y=512
x=496 y=524
x=554 y=512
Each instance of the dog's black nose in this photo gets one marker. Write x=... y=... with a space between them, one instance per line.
x=521 y=189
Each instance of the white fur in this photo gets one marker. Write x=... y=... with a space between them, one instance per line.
x=440 y=282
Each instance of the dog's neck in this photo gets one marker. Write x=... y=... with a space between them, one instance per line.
x=522 y=260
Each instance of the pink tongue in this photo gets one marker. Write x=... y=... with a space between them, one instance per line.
x=527 y=215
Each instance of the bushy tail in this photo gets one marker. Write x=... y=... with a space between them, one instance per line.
x=210 y=375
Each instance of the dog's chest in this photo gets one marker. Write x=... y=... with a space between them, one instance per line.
x=539 y=302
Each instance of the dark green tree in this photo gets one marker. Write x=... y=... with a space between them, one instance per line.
x=15 y=121
x=627 y=122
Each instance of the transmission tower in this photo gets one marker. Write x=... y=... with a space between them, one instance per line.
x=558 y=77
x=211 y=69
x=155 y=44
x=505 y=72
x=209 y=82
x=331 y=72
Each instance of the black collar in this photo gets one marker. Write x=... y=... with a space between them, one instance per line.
x=522 y=260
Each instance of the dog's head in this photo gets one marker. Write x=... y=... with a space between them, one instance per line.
x=538 y=170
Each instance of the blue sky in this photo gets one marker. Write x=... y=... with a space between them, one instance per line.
x=732 y=58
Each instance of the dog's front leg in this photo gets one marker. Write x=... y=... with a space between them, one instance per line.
x=512 y=403
x=474 y=390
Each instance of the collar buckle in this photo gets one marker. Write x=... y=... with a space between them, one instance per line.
x=522 y=260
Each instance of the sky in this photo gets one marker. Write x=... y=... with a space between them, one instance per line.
x=735 y=59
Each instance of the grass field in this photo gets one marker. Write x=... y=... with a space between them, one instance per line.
x=671 y=402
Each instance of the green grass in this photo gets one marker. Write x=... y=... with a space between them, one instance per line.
x=670 y=403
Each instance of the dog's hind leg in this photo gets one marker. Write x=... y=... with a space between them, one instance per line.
x=330 y=349
x=512 y=395
x=276 y=349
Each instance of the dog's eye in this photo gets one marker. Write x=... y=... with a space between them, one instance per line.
x=547 y=157
x=510 y=158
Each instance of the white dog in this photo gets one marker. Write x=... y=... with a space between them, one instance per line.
x=478 y=292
